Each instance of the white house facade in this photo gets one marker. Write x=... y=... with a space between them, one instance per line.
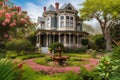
x=60 y=25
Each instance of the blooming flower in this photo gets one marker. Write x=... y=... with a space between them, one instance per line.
x=1 y=4
x=23 y=20
x=5 y=35
x=10 y=39
x=3 y=24
x=19 y=9
x=20 y=65
x=8 y=15
x=7 y=20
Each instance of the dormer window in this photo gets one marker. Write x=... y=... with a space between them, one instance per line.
x=62 y=21
x=69 y=8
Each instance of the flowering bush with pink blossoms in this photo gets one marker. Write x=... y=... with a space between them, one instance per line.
x=12 y=18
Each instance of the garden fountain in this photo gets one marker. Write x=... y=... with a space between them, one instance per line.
x=59 y=59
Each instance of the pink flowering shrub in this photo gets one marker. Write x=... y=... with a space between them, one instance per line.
x=10 y=19
x=51 y=70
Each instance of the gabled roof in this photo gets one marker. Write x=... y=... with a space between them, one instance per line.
x=67 y=6
x=63 y=7
x=51 y=8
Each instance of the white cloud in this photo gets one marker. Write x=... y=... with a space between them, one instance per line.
x=36 y=10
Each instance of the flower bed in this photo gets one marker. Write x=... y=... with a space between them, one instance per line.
x=52 y=70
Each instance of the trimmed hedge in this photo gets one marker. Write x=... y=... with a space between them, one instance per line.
x=55 y=45
x=18 y=45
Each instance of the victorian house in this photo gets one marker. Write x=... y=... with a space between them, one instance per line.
x=60 y=25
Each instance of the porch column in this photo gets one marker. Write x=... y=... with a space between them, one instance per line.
x=39 y=40
x=53 y=37
x=77 y=40
x=59 y=37
x=74 y=40
x=64 y=39
x=47 y=40
x=69 y=40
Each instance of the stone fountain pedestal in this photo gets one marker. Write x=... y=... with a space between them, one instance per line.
x=59 y=59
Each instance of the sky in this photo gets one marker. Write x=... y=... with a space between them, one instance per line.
x=35 y=7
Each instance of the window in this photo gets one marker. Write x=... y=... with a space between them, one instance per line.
x=71 y=21
x=47 y=22
x=67 y=21
x=62 y=21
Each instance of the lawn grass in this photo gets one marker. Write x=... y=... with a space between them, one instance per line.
x=79 y=55
x=29 y=56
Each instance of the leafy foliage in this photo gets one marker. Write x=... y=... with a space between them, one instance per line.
x=115 y=57
x=115 y=32
x=105 y=68
x=56 y=45
x=13 y=22
x=105 y=12
x=100 y=42
x=18 y=45
x=8 y=71
x=84 y=42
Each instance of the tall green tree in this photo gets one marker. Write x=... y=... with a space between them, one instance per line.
x=106 y=12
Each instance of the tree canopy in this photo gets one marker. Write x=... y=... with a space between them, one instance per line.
x=106 y=12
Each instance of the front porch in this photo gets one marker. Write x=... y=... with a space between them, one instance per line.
x=69 y=39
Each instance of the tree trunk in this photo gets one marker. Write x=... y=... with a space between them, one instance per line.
x=107 y=38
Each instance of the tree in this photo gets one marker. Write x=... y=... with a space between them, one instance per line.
x=115 y=32
x=106 y=12
x=12 y=21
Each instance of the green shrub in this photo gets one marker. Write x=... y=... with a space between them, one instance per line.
x=100 y=42
x=106 y=68
x=115 y=58
x=87 y=75
x=18 y=45
x=29 y=56
x=11 y=54
x=75 y=50
x=55 y=45
x=84 y=42
x=75 y=59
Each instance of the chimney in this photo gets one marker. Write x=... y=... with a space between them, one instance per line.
x=57 y=5
x=44 y=8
